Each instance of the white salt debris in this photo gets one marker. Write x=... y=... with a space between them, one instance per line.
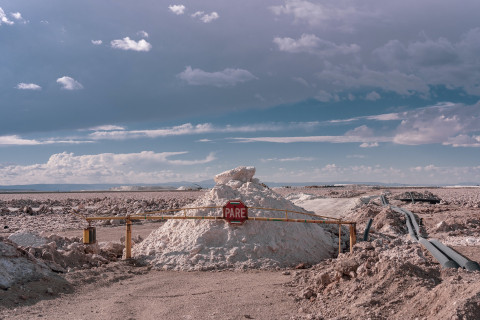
x=242 y=174
x=207 y=245
x=18 y=266
x=26 y=238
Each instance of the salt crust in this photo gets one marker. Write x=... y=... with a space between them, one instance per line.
x=207 y=245
x=16 y=266
x=26 y=238
x=243 y=174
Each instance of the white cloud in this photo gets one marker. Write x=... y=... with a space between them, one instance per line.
x=225 y=78
x=457 y=125
x=463 y=140
x=142 y=33
x=190 y=129
x=15 y=140
x=18 y=16
x=294 y=159
x=325 y=96
x=428 y=174
x=178 y=9
x=379 y=117
x=129 y=44
x=356 y=156
x=362 y=131
x=4 y=18
x=372 y=96
x=301 y=81
x=352 y=76
x=436 y=61
x=206 y=17
x=97 y=42
x=420 y=53
x=439 y=124
x=142 y=167
x=339 y=15
x=328 y=139
x=107 y=127
x=69 y=83
x=310 y=43
x=28 y=86
x=369 y=145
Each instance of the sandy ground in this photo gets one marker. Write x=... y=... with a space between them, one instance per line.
x=389 y=277
x=172 y=295
x=333 y=207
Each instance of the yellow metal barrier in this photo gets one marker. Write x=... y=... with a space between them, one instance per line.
x=147 y=216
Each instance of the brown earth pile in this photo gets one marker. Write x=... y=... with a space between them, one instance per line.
x=391 y=277
x=386 y=280
x=425 y=195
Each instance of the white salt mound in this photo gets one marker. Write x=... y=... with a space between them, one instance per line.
x=206 y=245
x=16 y=266
x=243 y=174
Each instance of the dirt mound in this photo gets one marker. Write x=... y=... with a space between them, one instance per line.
x=386 y=280
x=61 y=254
x=17 y=265
x=425 y=195
x=385 y=220
x=205 y=245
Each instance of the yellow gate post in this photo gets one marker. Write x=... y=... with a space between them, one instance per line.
x=353 y=236
x=128 y=239
x=339 y=238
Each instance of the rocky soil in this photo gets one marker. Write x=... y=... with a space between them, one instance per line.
x=387 y=277
x=391 y=277
x=65 y=211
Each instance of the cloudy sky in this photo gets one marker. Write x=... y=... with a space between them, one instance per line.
x=306 y=91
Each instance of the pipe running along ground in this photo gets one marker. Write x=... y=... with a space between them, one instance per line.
x=446 y=256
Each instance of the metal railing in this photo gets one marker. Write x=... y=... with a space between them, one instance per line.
x=150 y=216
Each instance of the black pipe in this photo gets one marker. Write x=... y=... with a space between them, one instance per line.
x=458 y=258
x=442 y=258
x=367 y=229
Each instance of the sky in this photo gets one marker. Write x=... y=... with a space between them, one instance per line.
x=145 y=92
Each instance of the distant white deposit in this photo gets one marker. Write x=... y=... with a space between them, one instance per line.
x=206 y=245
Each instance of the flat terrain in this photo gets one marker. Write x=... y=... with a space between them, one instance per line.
x=389 y=277
x=173 y=295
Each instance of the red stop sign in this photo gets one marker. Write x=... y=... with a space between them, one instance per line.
x=235 y=212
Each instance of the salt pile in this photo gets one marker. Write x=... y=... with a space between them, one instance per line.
x=18 y=266
x=207 y=245
x=26 y=238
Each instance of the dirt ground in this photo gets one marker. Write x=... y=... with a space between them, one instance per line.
x=388 y=277
x=150 y=294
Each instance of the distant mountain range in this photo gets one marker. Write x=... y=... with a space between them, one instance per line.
x=175 y=185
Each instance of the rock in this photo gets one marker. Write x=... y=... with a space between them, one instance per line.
x=307 y=293
x=28 y=210
x=302 y=266
x=442 y=226
x=27 y=238
x=347 y=267
x=323 y=279
x=243 y=174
